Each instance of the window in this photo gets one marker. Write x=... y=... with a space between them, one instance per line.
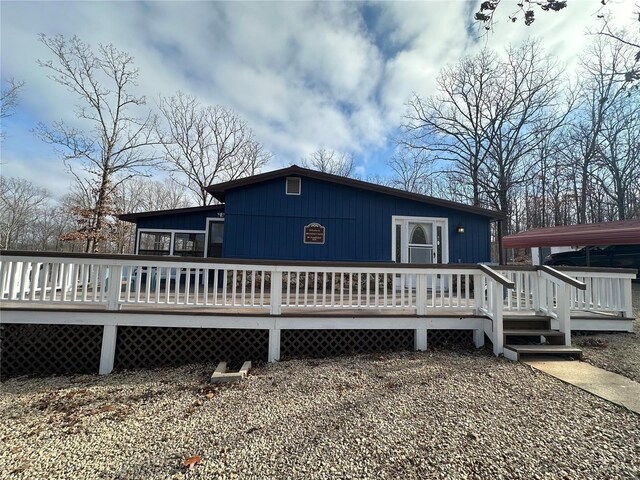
x=293 y=185
x=189 y=244
x=154 y=243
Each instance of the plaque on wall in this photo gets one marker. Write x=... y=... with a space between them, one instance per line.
x=314 y=233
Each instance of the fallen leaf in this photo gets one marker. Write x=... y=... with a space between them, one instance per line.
x=108 y=408
x=191 y=461
x=210 y=395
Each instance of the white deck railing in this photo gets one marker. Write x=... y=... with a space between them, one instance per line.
x=114 y=282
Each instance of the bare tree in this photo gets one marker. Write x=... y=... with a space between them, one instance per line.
x=600 y=90
x=412 y=171
x=486 y=121
x=9 y=100
x=207 y=144
x=618 y=162
x=115 y=132
x=21 y=203
x=453 y=125
x=330 y=161
x=527 y=109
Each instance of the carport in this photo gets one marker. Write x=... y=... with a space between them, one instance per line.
x=623 y=232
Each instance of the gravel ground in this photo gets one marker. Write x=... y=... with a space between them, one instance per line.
x=616 y=352
x=411 y=415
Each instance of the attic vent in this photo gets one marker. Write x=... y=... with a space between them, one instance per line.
x=293 y=186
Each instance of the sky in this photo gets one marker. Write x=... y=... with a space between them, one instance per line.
x=304 y=75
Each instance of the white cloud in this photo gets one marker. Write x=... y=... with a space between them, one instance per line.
x=303 y=75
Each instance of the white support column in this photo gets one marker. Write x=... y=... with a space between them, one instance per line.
x=478 y=292
x=115 y=283
x=564 y=311
x=421 y=296
x=276 y=298
x=478 y=338
x=497 y=316
x=108 y=353
x=626 y=298
x=274 y=344
x=420 y=339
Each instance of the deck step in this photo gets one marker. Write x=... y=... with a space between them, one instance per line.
x=513 y=352
x=533 y=333
x=526 y=317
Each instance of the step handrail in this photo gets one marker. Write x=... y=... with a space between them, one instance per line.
x=504 y=281
x=564 y=277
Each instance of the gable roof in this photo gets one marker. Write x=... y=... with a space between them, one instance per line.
x=132 y=217
x=219 y=190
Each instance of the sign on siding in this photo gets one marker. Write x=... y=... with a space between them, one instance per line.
x=314 y=233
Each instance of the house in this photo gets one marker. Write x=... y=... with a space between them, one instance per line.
x=304 y=215
x=295 y=263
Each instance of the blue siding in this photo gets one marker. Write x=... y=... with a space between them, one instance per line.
x=261 y=221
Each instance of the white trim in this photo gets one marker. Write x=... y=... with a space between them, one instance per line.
x=404 y=220
x=172 y=237
x=206 y=233
x=286 y=185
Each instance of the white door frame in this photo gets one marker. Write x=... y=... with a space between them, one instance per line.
x=404 y=222
x=206 y=235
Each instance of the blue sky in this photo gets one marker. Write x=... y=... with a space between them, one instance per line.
x=303 y=75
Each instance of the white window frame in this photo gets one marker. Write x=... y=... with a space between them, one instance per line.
x=404 y=221
x=173 y=237
x=286 y=185
x=206 y=233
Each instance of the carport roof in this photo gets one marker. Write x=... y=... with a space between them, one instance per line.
x=622 y=232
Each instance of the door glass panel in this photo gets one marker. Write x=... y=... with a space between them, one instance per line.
x=418 y=236
x=216 y=234
x=438 y=244
x=398 y=243
x=420 y=255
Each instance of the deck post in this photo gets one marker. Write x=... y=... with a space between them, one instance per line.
x=564 y=311
x=113 y=292
x=276 y=297
x=478 y=338
x=420 y=339
x=626 y=299
x=478 y=293
x=496 y=291
x=274 y=344
x=108 y=352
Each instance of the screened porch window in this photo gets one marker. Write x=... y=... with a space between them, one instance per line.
x=155 y=243
x=189 y=244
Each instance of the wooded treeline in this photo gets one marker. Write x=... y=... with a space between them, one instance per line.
x=508 y=130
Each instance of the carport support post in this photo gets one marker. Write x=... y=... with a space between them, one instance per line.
x=108 y=352
x=274 y=344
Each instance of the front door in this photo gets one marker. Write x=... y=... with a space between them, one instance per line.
x=215 y=234
x=421 y=241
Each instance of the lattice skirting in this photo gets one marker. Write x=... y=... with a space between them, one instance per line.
x=35 y=349
x=147 y=347
x=326 y=343
x=448 y=338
